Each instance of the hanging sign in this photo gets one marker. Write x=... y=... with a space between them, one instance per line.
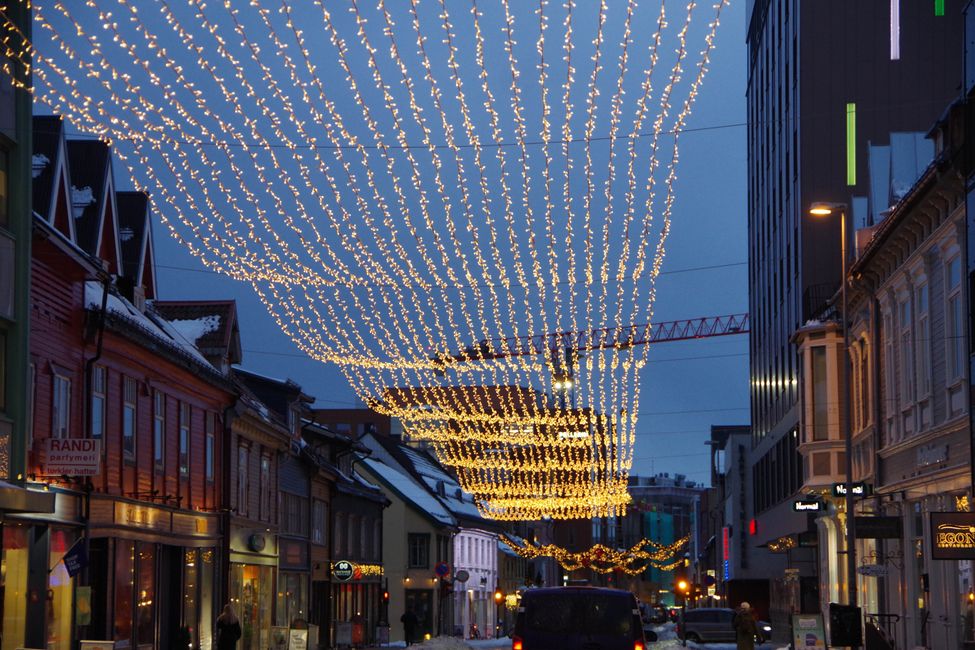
x=807 y=505
x=858 y=489
x=76 y=558
x=953 y=535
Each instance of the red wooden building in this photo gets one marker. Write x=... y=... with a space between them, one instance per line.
x=108 y=367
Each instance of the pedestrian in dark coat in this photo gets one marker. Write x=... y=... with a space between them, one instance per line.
x=745 y=627
x=409 y=621
x=228 y=629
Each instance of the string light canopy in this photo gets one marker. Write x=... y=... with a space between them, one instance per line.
x=408 y=185
x=644 y=555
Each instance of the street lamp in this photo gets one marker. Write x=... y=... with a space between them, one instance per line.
x=826 y=210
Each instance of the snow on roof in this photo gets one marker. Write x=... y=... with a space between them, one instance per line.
x=458 y=501
x=194 y=330
x=156 y=326
x=410 y=490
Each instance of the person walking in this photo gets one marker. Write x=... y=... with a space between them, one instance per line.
x=228 y=629
x=745 y=627
x=409 y=621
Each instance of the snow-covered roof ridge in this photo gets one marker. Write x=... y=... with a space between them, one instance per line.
x=407 y=488
x=149 y=323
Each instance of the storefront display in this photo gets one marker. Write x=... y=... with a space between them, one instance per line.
x=292 y=605
x=251 y=589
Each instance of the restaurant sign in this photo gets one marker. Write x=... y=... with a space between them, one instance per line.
x=953 y=535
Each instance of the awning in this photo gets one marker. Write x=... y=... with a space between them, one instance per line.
x=14 y=498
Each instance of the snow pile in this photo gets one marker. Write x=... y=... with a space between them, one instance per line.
x=38 y=162
x=81 y=199
x=194 y=330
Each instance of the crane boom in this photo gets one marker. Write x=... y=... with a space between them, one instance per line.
x=601 y=339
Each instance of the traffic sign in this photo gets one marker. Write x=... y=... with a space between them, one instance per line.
x=442 y=569
x=462 y=576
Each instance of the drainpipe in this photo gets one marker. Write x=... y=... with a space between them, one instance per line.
x=86 y=409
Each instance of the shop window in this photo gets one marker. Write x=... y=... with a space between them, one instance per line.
x=191 y=584
x=98 y=386
x=158 y=431
x=207 y=578
x=3 y=370
x=129 y=406
x=184 y=439
x=419 y=550
x=60 y=592
x=292 y=605
x=124 y=606
x=13 y=581
x=145 y=604
x=7 y=276
x=61 y=406
x=251 y=594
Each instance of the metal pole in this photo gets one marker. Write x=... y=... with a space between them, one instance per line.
x=851 y=563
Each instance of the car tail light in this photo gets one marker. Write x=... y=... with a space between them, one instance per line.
x=516 y=643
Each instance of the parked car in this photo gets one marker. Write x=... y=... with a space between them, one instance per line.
x=713 y=624
x=578 y=618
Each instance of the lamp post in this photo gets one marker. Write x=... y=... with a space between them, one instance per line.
x=825 y=210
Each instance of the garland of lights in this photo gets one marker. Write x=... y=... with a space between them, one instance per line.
x=602 y=559
x=393 y=201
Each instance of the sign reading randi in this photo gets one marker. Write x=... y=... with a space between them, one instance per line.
x=71 y=456
x=953 y=535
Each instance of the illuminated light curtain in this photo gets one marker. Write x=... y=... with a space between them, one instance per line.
x=411 y=189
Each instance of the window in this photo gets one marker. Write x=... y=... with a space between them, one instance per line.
x=208 y=461
x=923 y=342
x=98 y=387
x=353 y=530
x=129 y=405
x=4 y=215
x=294 y=515
x=419 y=551
x=377 y=539
x=184 y=439
x=242 y=462
x=319 y=521
x=158 y=430
x=954 y=318
x=338 y=535
x=907 y=355
x=3 y=370
x=61 y=406
x=363 y=538
x=820 y=397
x=265 y=505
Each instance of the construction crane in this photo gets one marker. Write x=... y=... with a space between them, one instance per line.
x=573 y=342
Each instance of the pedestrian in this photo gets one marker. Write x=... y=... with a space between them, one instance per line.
x=409 y=621
x=745 y=627
x=228 y=629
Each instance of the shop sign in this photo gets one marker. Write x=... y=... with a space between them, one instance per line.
x=873 y=570
x=131 y=514
x=279 y=638
x=878 y=527
x=808 y=632
x=858 y=489
x=726 y=552
x=953 y=535
x=343 y=570
x=71 y=456
x=293 y=555
x=807 y=505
